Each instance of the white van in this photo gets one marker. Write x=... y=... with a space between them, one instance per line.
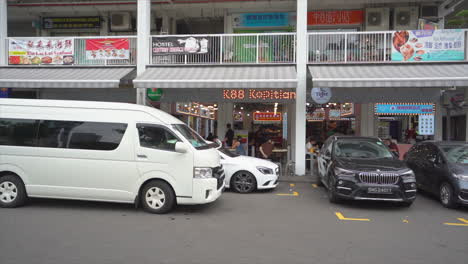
x=99 y=151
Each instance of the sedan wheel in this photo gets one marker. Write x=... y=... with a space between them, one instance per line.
x=243 y=182
x=447 y=197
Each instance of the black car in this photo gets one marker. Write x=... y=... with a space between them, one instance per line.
x=441 y=168
x=363 y=168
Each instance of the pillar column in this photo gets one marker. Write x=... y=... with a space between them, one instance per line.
x=301 y=90
x=368 y=121
x=143 y=47
x=438 y=119
x=3 y=32
x=224 y=118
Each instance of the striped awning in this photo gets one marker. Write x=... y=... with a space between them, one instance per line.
x=265 y=76
x=390 y=75
x=63 y=77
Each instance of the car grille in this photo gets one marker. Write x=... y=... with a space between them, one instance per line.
x=379 y=178
x=218 y=173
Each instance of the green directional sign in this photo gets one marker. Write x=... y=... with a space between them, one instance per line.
x=154 y=94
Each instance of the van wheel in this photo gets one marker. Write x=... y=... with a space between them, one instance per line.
x=12 y=191
x=447 y=196
x=157 y=197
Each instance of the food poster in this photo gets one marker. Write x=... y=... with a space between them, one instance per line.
x=107 y=49
x=428 y=45
x=41 y=51
x=426 y=125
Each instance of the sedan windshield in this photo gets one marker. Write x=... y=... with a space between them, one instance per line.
x=456 y=153
x=196 y=140
x=361 y=149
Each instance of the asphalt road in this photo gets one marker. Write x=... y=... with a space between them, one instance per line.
x=264 y=227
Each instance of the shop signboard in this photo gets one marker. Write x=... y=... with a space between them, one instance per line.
x=404 y=109
x=44 y=51
x=316 y=115
x=180 y=45
x=267 y=116
x=426 y=125
x=321 y=95
x=4 y=92
x=247 y=20
x=428 y=45
x=154 y=94
x=107 y=49
x=339 y=17
x=71 y=22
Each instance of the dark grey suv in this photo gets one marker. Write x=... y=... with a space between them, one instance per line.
x=363 y=168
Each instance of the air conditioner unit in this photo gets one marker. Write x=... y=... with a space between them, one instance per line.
x=405 y=18
x=429 y=11
x=121 y=21
x=377 y=19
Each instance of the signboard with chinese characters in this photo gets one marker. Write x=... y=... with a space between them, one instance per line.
x=261 y=20
x=179 y=45
x=404 y=109
x=428 y=45
x=267 y=116
x=341 y=17
x=426 y=125
x=71 y=22
x=107 y=49
x=41 y=51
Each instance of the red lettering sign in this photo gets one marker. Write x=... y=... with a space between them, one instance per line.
x=343 y=17
x=267 y=116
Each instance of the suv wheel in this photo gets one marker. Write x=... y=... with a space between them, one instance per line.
x=332 y=196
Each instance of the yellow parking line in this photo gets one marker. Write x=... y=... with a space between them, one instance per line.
x=288 y=194
x=314 y=185
x=464 y=221
x=341 y=217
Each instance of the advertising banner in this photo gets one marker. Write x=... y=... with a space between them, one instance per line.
x=426 y=125
x=404 y=109
x=58 y=51
x=267 y=116
x=71 y=22
x=107 y=49
x=428 y=45
x=261 y=20
x=179 y=45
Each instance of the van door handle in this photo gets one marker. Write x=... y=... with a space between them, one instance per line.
x=141 y=156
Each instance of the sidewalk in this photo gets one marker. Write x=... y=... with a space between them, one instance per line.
x=306 y=179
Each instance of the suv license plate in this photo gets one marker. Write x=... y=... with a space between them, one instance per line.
x=379 y=190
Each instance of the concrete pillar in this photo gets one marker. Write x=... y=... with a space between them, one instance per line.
x=165 y=27
x=291 y=127
x=368 y=121
x=104 y=31
x=224 y=118
x=438 y=119
x=3 y=32
x=143 y=47
x=301 y=90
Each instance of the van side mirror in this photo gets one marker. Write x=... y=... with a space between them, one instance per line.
x=181 y=147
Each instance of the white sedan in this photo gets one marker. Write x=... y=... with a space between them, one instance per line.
x=244 y=174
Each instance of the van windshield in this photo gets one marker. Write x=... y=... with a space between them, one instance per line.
x=196 y=140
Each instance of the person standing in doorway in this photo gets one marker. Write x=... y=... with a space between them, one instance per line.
x=229 y=137
x=266 y=149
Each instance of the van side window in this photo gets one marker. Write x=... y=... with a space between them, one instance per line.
x=18 y=132
x=80 y=135
x=156 y=137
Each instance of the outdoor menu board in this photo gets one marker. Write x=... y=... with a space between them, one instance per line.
x=109 y=48
x=426 y=125
x=71 y=22
x=179 y=45
x=267 y=116
x=40 y=51
x=428 y=45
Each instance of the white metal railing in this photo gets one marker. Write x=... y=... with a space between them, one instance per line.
x=79 y=50
x=268 y=48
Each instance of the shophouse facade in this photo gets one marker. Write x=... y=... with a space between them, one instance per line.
x=290 y=69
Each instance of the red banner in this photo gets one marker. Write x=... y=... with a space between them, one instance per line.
x=111 y=48
x=267 y=116
x=343 y=17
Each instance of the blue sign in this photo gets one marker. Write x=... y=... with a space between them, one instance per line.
x=404 y=109
x=4 y=92
x=261 y=20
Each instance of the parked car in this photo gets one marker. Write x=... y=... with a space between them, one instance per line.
x=245 y=174
x=363 y=168
x=103 y=152
x=441 y=168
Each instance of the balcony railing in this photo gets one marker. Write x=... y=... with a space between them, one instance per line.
x=269 y=48
x=79 y=51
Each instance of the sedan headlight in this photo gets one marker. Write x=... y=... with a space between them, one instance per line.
x=265 y=170
x=461 y=177
x=408 y=176
x=202 y=173
x=344 y=173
